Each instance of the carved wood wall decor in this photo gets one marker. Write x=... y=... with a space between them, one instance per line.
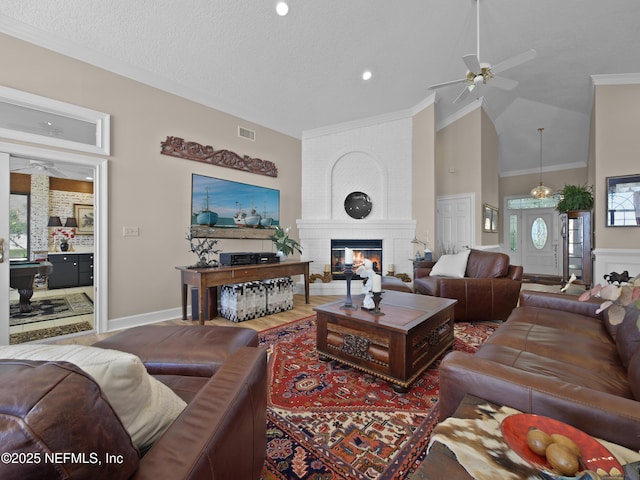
x=177 y=147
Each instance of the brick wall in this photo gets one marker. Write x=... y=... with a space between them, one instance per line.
x=375 y=159
x=45 y=203
x=61 y=204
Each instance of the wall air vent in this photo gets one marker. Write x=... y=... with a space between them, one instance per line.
x=246 y=133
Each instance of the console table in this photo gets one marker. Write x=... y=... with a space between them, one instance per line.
x=207 y=279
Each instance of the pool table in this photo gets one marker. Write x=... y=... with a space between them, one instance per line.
x=22 y=275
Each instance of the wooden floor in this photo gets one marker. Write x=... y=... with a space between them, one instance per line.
x=300 y=310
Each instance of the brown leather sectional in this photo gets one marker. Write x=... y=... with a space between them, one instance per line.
x=555 y=356
x=221 y=434
x=488 y=291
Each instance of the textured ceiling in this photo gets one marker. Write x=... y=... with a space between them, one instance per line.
x=302 y=71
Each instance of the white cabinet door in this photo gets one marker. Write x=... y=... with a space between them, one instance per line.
x=455 y=223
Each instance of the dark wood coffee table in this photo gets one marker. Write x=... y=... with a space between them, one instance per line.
x=397 y=346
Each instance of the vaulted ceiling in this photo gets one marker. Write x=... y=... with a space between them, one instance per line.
x=303 y=71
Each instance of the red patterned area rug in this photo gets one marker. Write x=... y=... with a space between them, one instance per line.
x=329 y=421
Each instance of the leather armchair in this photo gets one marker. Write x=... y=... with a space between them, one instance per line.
x=488 y=291
x=222 y=375
x=220 y=372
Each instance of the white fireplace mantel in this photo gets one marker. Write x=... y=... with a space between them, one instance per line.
x=374 y=158
x=316 y=236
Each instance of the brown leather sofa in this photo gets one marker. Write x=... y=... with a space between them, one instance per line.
x=488 y=291
x=556 y=357
x=395 y=283
x=221 y=434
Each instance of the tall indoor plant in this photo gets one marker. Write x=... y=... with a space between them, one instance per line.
x=575 y=198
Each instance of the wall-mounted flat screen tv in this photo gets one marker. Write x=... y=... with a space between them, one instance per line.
x=225 y=204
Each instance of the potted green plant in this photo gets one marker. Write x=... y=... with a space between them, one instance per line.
x=575 y=197
x=284 y=244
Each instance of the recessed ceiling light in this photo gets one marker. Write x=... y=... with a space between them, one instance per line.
x=366 y=75
x=282 y=8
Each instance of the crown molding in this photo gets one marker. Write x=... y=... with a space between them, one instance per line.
x=355 y=124
x=554 y=168
x=370 y=121
x=616 y=79
x=464 y=111
x=426 y=103
x=59 y=45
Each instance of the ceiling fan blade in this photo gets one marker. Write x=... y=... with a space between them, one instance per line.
x=446 y=84
x=472 y=62
x=21 y=170
x=514 y=61
x=503 y=83
x=464 y=93
x=54 y=172
x=41 y=169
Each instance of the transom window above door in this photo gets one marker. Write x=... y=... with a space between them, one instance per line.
x=32 y=118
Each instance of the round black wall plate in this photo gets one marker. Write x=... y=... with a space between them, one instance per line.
x=357 y=205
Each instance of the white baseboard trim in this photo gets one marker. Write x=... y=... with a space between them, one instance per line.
x=146 y=318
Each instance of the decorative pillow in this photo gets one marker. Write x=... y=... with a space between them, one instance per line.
x=55 y=408
x=145 y=406
x=451 y=265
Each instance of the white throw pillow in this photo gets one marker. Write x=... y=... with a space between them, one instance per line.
x=146 y=407
x=451 y=265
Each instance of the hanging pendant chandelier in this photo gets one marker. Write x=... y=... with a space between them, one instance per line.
x=540 y=191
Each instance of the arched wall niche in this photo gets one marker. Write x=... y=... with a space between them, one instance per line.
x=358 y=171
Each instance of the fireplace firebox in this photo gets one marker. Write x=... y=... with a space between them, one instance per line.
x=362 y=249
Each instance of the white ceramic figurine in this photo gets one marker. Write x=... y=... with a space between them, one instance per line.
x=366 y=271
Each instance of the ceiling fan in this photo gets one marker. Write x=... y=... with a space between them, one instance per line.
x=40 y=168
x=484 y=73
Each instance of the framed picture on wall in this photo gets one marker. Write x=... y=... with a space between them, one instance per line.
x=490 y=218
x=623 y=201
x=226 y=209
x=84 y=217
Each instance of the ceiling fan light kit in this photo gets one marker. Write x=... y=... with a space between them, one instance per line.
x=479 y=74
